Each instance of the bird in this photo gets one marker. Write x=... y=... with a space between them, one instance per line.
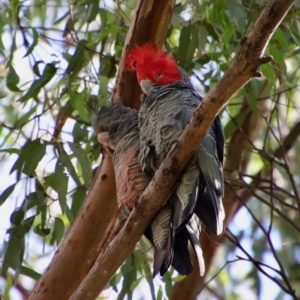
x=116 y=127
x=167 y=106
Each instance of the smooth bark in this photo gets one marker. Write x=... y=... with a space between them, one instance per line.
x=79 y=249
x=248 y=59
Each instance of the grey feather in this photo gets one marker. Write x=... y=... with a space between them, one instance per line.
x=118 y=125
x=163 y=116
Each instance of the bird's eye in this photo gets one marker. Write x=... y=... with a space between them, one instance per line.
x=159 y=75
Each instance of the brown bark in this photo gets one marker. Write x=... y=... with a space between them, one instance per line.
x=244 y=67
x=70 y=265
x=149 y=24
x=78 y=251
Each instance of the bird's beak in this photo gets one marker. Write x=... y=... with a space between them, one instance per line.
x=146 y=86
x=103 y=139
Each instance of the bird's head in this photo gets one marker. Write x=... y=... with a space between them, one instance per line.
x=152 y=65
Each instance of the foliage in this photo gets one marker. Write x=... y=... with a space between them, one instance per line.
x=58 y=57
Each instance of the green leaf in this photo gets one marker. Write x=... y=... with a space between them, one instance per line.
x=211 y=30
x=233 y=124
x=202 y=37
x=66 y=161
x=204 y=59
x=269 y=72
x=30 y=273
x=41 y=231
x=279 y=36
x=6 y=193
x=35 y=36
x=168 y=280
x=59 y=182
x=11 y=150
x=83 y=161
x=148 y=275
x=197 y=4
x=129 y=275
x=78 y=102
x=159 y=295
x=23 y=119
x=103 y=90
x=238 y=13
x=58 y=231
x=31 y=154
x=277 y=55
x=79 y=132
x=12 y=80
x=17 y=216
x=9 y=285
x=92 y=11
x=43 y=216
x=13 y=256
x=36 y=69
x=250 y=97
x=69 y=214
x=184 y=41
x=78 y=197
x=36 y=198
x=112 y=29
x=77 y=60
x=108 y=67
x=48 y=73
x=178 y=278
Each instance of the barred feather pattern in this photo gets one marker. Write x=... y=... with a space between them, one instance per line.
x=121 y=124
x=161 y=227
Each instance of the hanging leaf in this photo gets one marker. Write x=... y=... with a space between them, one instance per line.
x=30 y=273
x=278 y=56
x=58 y=231
x=12 y=80
x=38 y=84
x=103 y=90
x=17 y=216
x=59 y=182
x=66 y=161
x=77 y=60
x=78 y=102
x=35 y=36
x=83 y=161
x=6 y=193
x=31 y=154
x=78 y=197
x=13 y=256
x=184 y=41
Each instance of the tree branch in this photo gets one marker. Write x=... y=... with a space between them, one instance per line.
x=78 y=251
x=236 y=160
x=244 y=67
x=150 y=23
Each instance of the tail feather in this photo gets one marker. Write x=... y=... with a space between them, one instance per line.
x=193 y=228
x=210 y=210
x=181 y=260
